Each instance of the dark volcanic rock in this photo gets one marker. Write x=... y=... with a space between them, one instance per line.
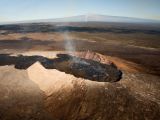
x=88 y=69
x=79 y=67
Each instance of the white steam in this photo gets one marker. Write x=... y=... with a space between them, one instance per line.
x=69 y=44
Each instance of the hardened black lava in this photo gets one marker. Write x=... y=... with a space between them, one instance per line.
x=79 y=67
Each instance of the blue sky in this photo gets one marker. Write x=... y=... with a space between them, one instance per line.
x=17 y=10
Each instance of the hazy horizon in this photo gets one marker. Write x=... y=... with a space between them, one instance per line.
x=18 y=10
x=87 y=14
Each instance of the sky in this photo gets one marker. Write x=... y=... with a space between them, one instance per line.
x=19 y=10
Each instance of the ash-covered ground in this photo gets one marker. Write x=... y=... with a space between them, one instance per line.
x=105 y=71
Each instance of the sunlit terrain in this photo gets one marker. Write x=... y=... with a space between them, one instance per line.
x=79 y=60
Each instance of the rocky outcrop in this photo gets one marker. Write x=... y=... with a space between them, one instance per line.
x=93 y=56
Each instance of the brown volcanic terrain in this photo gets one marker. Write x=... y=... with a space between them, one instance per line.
x=35 y=85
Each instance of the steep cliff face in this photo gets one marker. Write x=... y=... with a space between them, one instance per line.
x=50 y=94
x=71 y=98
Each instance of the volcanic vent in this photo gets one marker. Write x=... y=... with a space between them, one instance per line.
x=85 y=68
x=85 y=65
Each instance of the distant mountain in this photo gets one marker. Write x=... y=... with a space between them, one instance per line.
x=94 y=18
x=101 y=18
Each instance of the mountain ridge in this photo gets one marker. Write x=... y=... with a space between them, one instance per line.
x=92 y=18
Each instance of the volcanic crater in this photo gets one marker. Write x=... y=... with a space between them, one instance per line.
x=87 y=65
